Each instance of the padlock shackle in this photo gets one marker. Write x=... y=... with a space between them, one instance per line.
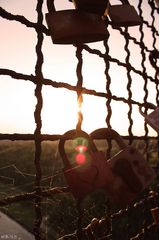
x=154 y=55
x=146 y=105
x=109 y=134
x=51 y=6
x=70 y=135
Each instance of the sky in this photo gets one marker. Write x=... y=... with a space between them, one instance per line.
x=59 y=114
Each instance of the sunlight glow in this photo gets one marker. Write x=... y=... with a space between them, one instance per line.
x=60 y=107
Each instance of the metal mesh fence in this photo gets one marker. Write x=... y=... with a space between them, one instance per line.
x=129 y=57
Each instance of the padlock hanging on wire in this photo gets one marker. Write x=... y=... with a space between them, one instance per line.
x=131 y=173
x=153 y=118
x=85 y=168
x=123 y=15
x=73 y=26
x=92 y=6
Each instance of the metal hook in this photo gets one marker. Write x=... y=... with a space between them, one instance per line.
x=109 y=134
x=146 y=105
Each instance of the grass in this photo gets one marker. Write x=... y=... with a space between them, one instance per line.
x=60 y=214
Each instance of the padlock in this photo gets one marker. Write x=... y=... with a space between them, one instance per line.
x=85 y=169
x=153 y=118
x=155 y=215
x=157 y=3
x=93 y=6
x=132 y=174
x=74 y=26
x=123 y=15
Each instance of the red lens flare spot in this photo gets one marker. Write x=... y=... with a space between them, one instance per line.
x=80 y=158
x=81 y=148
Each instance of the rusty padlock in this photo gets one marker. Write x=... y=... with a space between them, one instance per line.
x=132 y=174
x=153 y=118
x=155 y=215
x=74 y=27
x=123 y=15
x=93 y=6
x=85 y=169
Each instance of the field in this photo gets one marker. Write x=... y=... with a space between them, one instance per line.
x=17 y=174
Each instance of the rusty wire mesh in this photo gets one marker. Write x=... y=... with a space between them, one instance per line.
x=147 y=73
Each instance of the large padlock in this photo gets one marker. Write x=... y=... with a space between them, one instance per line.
x=131 y=173
x=74 y=26
x=153 y=118
x=93 y=6
x=85 y=169
x=123 y=15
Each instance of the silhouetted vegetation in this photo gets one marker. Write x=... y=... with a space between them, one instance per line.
x=17 y=173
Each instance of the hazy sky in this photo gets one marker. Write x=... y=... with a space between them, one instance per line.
x=17 y=101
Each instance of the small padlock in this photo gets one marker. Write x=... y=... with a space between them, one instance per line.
x=153 y=118
x=86 y=169
x=124 y=15
x=93 y=6
x=132 y=174
x=155 y=215
x=157 y=2
x=74 y=26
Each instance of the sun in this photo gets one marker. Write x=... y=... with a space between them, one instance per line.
x=60 y=111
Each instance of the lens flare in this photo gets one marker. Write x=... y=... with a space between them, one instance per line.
x=80 y=158
x=81 y=148
x=80 y=141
